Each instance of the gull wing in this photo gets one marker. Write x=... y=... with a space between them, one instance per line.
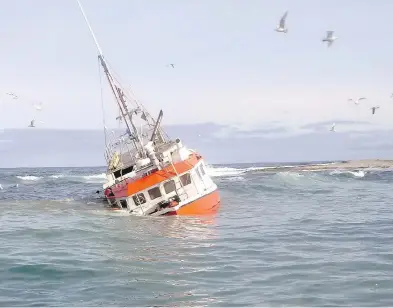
x=282 y=20
x=329 y=34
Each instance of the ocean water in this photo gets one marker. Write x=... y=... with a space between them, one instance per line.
x=280 y=239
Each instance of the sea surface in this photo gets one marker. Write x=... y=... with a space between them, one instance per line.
x=280 y=239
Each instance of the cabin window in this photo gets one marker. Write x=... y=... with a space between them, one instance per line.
x=139 y=199
x=154 y=193
x=122 y=172
x=185 y=179
x=169 y=186
x=199 y=174
x=123 y=203
x=202 y=169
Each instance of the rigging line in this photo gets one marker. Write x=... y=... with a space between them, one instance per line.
x=133 y=99
x=102 y=103
x=126 y=90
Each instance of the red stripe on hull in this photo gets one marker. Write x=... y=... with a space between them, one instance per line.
x=205 y=205
x=131 y=186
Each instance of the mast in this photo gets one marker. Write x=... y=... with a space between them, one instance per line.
x=117 y=91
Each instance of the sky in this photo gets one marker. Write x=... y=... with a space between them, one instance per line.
x=231 y=68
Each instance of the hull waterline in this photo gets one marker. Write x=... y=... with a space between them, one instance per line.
x=205 y=205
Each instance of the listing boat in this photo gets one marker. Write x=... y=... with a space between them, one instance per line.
x=147 y=172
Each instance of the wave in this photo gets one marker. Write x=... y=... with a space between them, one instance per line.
x=235 y=172
x=29 y=177
x=57 y=176
x=357 y=174
x=227 y=173
x=224 y=171
x=101 y=177
x=230 y=171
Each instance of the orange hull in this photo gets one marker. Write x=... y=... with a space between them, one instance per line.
x=205 y=205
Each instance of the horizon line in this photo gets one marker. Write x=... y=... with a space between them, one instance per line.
x=213 y=164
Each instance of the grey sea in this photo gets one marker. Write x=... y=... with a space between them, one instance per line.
x=280 y=239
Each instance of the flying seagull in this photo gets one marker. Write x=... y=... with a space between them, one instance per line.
x=356 y=101
x=330 y=38
x=374 y=108
x=332 y=129
x=32 y=123
x=38 y=106
x=173 y=65
x=281 y=27
x=14 y=96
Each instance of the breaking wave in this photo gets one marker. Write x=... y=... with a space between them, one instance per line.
x=357 y=174
x=82 y=184
x=29 y=178
x=224 y=171
x=101 y=176
x=80 y=178
x=215 y=172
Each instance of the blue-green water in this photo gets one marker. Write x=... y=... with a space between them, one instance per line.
x=279 y=239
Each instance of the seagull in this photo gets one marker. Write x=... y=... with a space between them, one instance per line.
x=14 y=96
x=374 y=108
x=332 y=129
x=330 y=38
x=38 y=106
x=356 y=101
x=281 y=26
x=32 y=123
x=173 y=65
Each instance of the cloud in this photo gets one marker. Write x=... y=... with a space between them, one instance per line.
x=232 y=131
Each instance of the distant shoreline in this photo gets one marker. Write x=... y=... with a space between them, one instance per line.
x=343 y=165
x=277 y=167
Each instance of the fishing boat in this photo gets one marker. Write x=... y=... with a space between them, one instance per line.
x=149 y=173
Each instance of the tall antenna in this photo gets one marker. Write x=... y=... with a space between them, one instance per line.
x=119 y=95
x=91 y=30
x=117 y=92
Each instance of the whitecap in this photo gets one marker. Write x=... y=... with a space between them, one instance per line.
x=29 y=178
x=357 y=174
x=224 y=171
x=57 y=176
x=94 y=178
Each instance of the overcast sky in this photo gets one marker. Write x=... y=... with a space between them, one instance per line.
x=231 y=67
